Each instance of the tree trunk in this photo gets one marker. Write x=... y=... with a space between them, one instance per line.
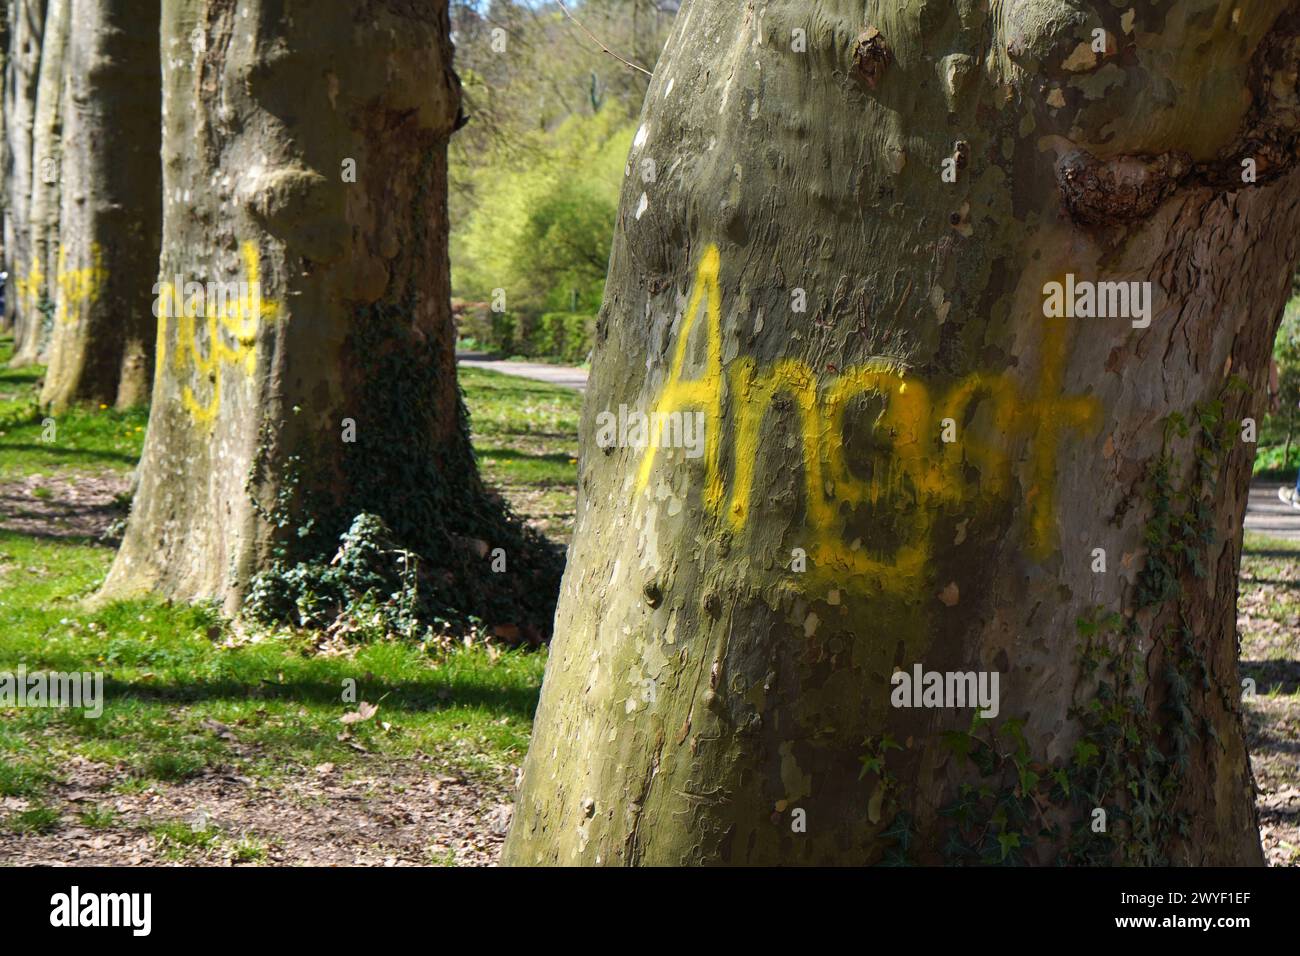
x=6 y=164
x=304 y=165
x=40 y=285
x=917 y=470
x=102 y=345
x=22 y=67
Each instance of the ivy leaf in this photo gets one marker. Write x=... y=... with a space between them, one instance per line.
x=1008 y=842
x=958 y=741
x=1084 y=752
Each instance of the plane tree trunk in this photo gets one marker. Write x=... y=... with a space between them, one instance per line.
x=40 y=285
x=930 y=468
x=305 y=367
x=22 y=69
x=101 y=348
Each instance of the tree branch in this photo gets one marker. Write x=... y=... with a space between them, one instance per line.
x=560 y=4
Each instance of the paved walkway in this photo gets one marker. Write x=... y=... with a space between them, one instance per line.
x=1266 y=514
x=575 y=378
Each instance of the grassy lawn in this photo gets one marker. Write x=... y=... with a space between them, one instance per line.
x=526 y=437
x=79 y=439
x=200 y=715
x=1268 y=617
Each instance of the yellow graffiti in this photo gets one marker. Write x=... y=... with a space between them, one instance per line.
x=30 y=287
x=79 y=288
x=913 y=475
x=232 y=324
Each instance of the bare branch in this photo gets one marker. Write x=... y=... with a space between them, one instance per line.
x=560 y=4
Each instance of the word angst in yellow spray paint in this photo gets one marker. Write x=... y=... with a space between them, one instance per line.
x=913 y=475
x=232 y=323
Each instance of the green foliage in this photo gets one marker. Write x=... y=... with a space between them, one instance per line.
x=1279 y=431
x=535 y=175
x=562 y=336
x=565 y=335
x=370 y=589
x=543 y=224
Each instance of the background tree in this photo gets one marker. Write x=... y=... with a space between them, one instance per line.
x=26 y=23
x=720 y=685
x=39 y=286
x=305 y=375
x=103 y=336
x=535 y=174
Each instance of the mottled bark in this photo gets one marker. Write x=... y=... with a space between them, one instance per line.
x=38 y=285
x=103 y=335
x=344 y=297
x=705 y=700
x=22 y=68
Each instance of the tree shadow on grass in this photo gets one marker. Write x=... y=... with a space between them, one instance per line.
x=510 y=454
x=88 y=455
x=1267 y=675
x=400 y=696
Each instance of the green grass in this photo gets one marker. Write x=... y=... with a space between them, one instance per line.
x=526 y=438
x=181 y=702
x=37 y=819
x=1269 y=598
x=248 y=850
x=31 y=441
x=99 y=817
x=178 y=839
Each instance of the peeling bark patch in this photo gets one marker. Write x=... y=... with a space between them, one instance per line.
x=871 y=57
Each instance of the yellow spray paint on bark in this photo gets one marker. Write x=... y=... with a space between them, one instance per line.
x=232 y=324
x=913 y=475
x=79 y=288
x=29 y=287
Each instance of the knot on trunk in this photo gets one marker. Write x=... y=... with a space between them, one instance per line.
x=1105 y=192
x=871 y=56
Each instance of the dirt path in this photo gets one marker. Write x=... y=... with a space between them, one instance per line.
x=66 y=505
x=381 y=813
